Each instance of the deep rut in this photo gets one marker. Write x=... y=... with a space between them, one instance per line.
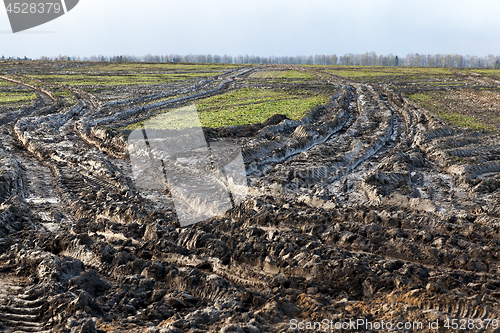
x=19 y=311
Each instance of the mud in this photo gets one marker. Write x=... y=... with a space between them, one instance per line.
x=368 y=207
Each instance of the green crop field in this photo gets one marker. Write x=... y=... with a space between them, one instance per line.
x=13 y=96
x=16 y=97
x=433 y=102
x=462 y=97
x=375 y=74
x=247 y=106
x=458 y=96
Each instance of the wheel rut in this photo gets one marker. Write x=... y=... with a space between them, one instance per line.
x=20 y=312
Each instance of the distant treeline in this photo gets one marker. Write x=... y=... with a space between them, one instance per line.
x=350 y=59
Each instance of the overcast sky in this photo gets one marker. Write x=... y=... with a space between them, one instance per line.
x=262 y=27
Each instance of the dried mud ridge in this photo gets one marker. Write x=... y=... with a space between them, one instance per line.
x=368 y=207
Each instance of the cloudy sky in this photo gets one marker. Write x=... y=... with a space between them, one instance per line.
x=262 y=27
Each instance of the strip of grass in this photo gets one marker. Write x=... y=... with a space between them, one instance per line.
x=125 y=79
x=65 y=95
x=370 y=72
x=246 y=106
x=420 y=99
x=284 y=75
x=432 y=104
x=13 y=94
x=261 y=108
x=16 y=97
x=466 y=121
x=485 y=71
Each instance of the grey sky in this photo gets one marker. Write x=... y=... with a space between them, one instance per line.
x=262 y=27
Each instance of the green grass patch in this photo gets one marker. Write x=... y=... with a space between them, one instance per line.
x=485 y=71
x=65 y=95
x=466 y=121
x=355 y=74
x=433 y=104
x=247 y=106
x=374 y=72
x=420 y=98
x=11 y=93
x=284 y=75
x=16 y=97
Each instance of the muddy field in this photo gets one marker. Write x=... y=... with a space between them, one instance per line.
x=370 y=206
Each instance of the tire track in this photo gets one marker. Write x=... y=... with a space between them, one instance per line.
x=20 y=312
